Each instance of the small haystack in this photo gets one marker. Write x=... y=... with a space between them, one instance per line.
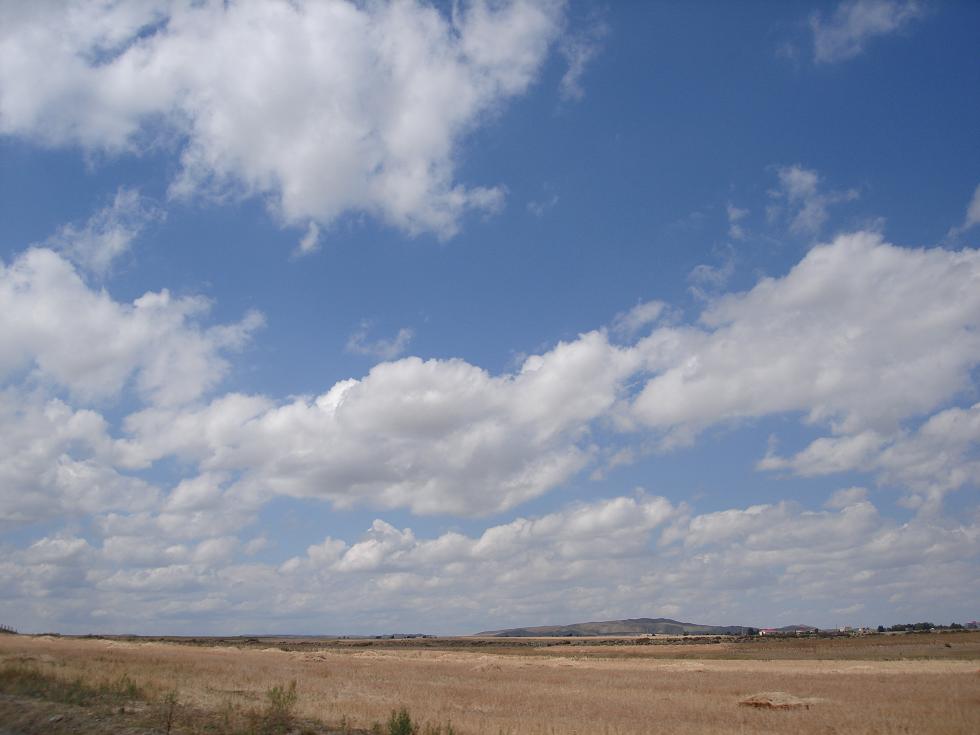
x=779 y=700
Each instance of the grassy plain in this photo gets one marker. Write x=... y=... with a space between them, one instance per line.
x=877 y=684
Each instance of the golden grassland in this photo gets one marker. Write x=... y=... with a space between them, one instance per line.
x=876 y=684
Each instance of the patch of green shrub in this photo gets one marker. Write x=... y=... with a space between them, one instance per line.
x=279 y=707
x=400 y=723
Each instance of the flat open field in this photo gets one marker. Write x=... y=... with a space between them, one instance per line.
x=876 y=684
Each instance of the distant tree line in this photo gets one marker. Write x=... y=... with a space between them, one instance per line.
x=906 y=627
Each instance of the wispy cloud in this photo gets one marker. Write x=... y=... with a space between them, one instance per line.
x=803 y=199
x=971 y=218
x=359 y=343
x=539 y=207
x=579 y=50
x=855 y=22
x=736 y=230
x=310 y=242
x=628 y=323
x=707 y=280
x=973 y=210
x=107 y=234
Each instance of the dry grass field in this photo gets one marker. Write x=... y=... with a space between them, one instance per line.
x=877 y=684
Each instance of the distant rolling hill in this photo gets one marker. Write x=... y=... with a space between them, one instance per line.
x=797 y=629
x=633 y=626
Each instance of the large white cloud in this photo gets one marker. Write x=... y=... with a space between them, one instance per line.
x=56 y=462
x=66 y=343
x=938 y=456
x=61 y=331
x=860 y=334
x=436 y=436
x=326 y=107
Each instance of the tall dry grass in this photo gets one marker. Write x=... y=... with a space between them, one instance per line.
x=574 y=691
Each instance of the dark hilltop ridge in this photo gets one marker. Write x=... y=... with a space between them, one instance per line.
x=632 y=626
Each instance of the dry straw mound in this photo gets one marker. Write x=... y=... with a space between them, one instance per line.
x=779 y=700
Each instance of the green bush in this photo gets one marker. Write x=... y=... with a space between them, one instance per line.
x=279 y=708
x=401 y=724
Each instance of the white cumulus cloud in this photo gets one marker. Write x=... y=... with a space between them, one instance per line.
x=435 y=436
x=608 y=558
x=57 y=328
x=58 y=462
x=842 y=338
x=938 y=456
x=322 y=107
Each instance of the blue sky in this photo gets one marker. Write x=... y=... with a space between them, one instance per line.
x=328 y=318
